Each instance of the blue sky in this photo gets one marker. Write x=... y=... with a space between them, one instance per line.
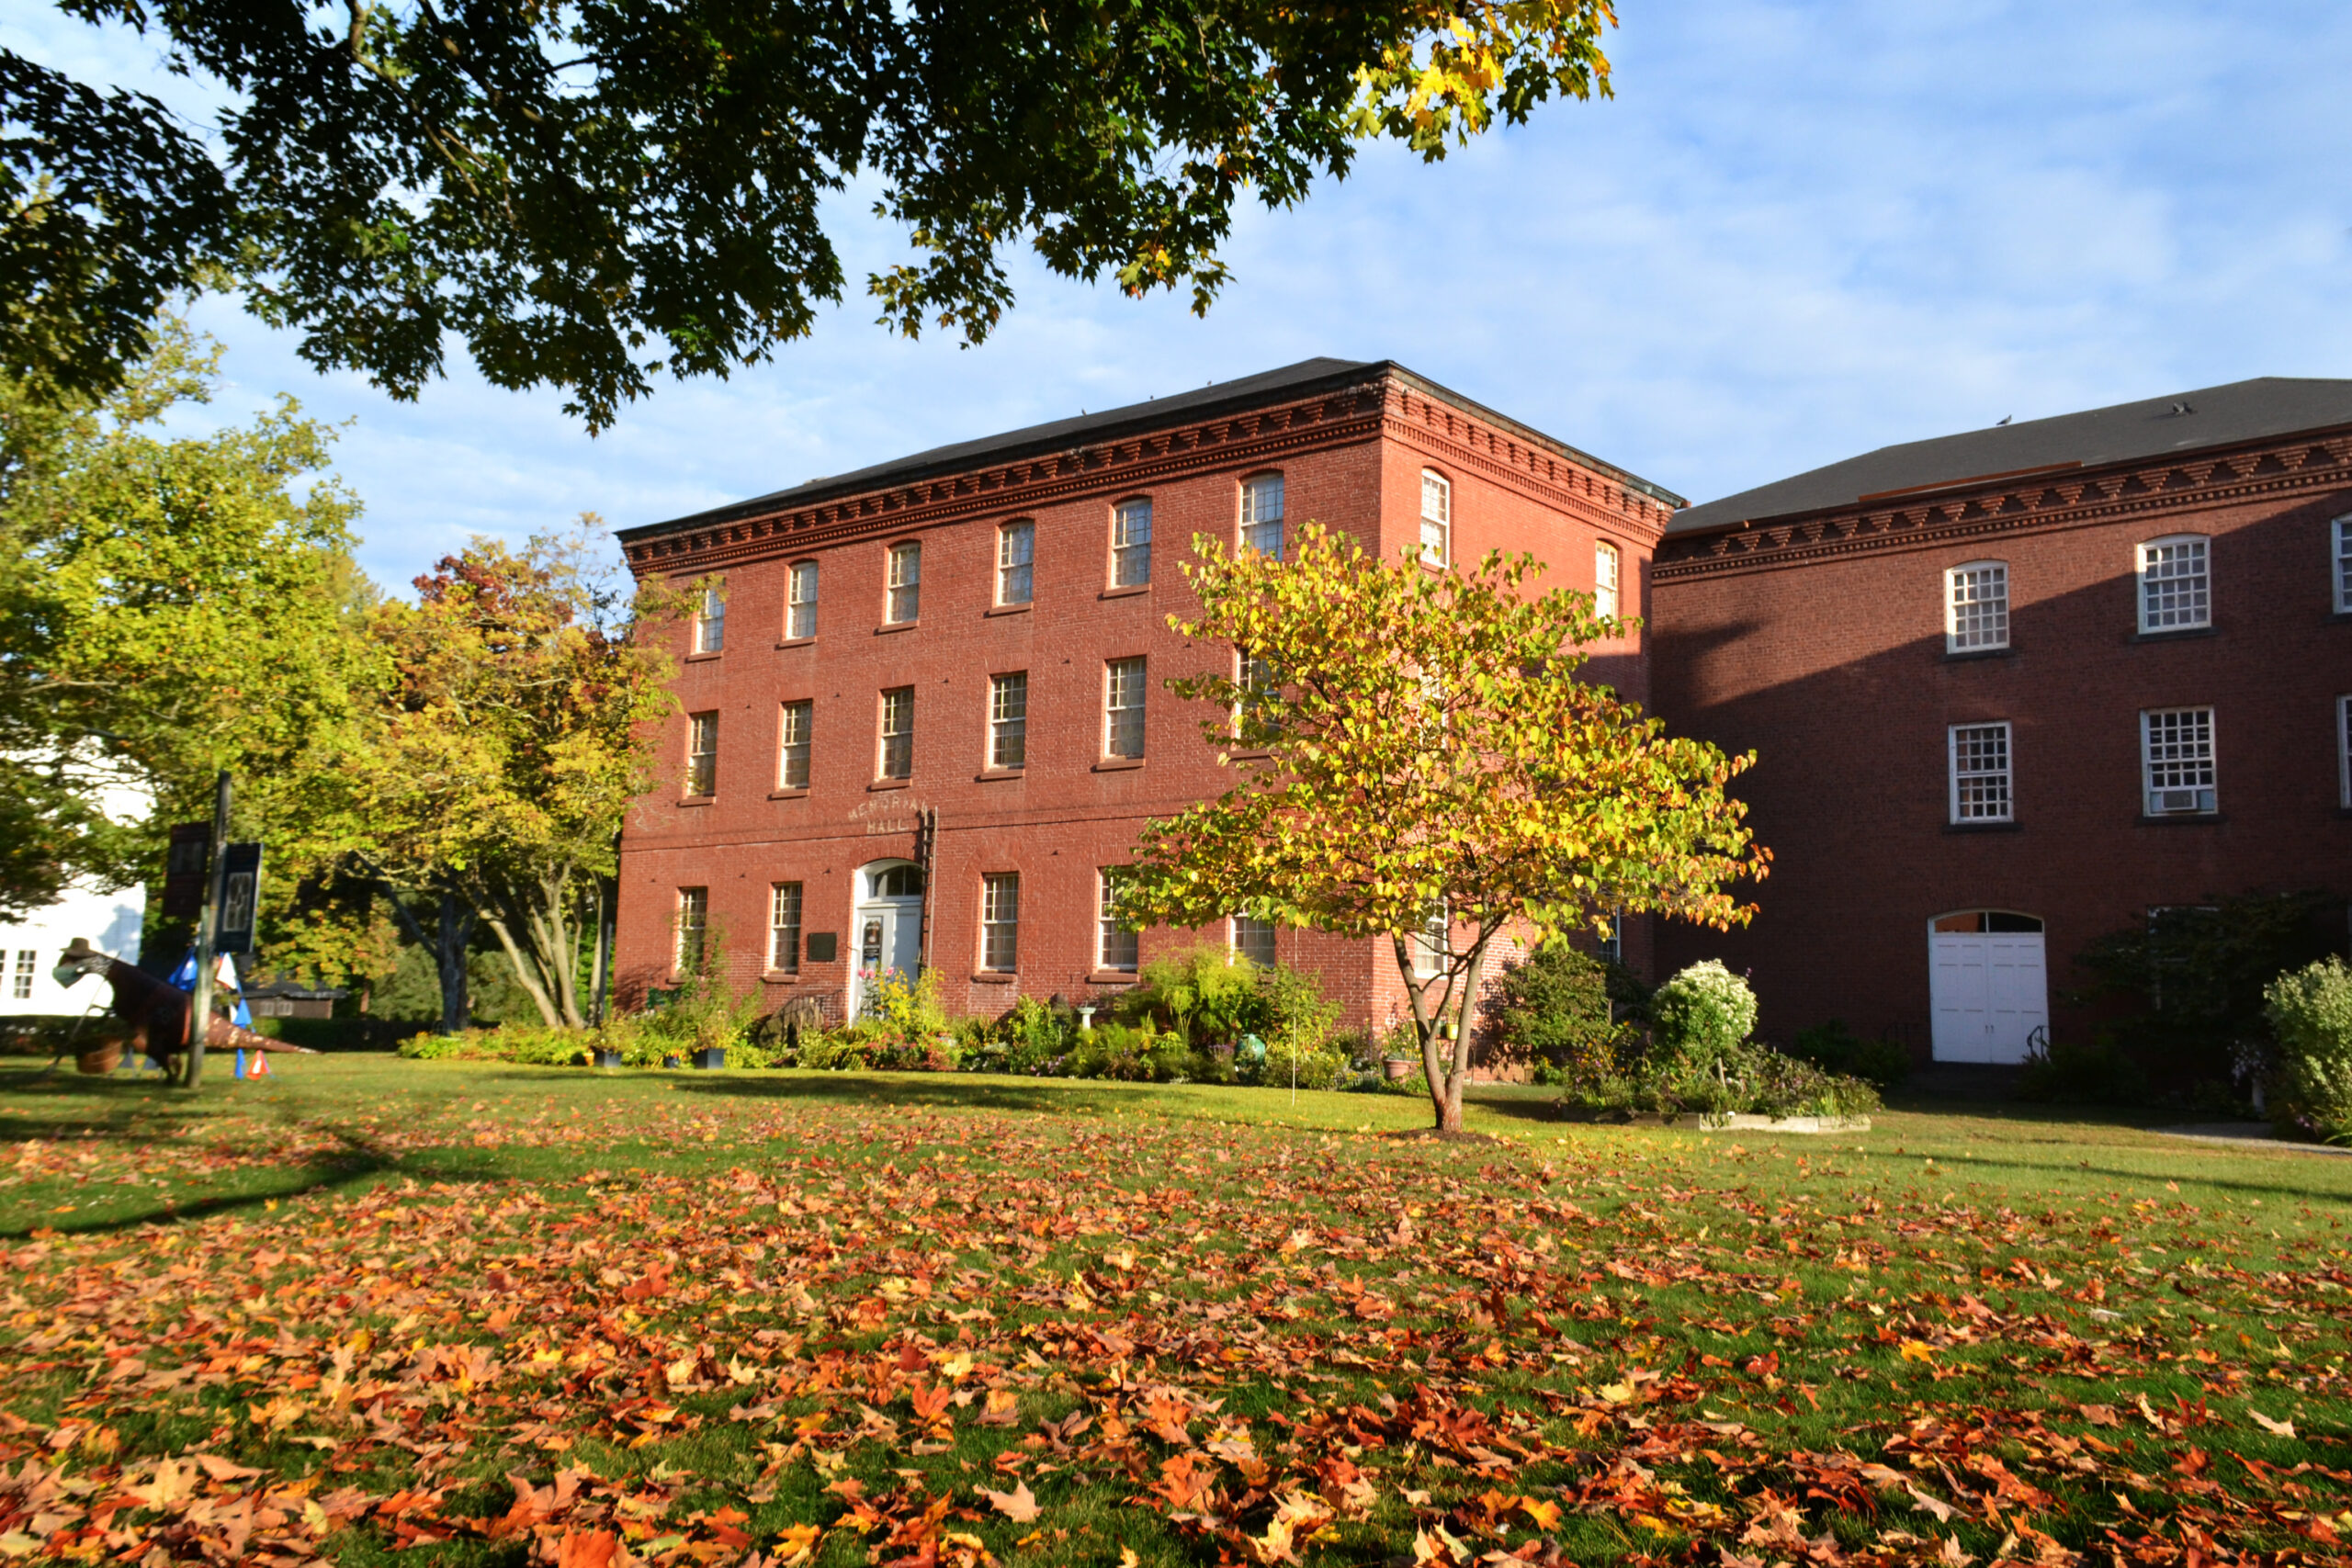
x=1800 y=230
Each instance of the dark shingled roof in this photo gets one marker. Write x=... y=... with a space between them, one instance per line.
x=1302 y=379
x=2241 y=411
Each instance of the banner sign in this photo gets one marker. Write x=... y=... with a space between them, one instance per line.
x=240 y=899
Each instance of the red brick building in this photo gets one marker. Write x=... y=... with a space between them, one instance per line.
x=928 y=713
x=2013 y=688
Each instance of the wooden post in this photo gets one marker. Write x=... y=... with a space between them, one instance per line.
x=199 y=1011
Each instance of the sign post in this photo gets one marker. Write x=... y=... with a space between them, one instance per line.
x=199 y=1013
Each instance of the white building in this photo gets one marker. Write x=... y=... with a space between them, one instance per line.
x=29 y=948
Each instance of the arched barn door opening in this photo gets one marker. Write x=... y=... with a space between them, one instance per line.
x=887 y=926
x=1987 y=985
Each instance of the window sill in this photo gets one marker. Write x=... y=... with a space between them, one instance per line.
x=797 y=641
x=2011 y=826
x=990 y=775
x=697 y=800
x=2342 y=617
x=886 y=628
x=995 y=976
x=1111 y=977
x=2175 y=634
x=800 y=794
x=780 y=977
x=1238 y=756
x=1129 y=592
x=1118 y=764
x=2182 y=819
x=891 y=784
x=1009 y=609
x=1972 y=655
x=706 y=658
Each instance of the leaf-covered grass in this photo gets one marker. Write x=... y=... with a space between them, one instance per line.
x=380 y=1311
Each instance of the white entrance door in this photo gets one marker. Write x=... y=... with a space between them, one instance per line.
x=890 y=940
x=1988 y=992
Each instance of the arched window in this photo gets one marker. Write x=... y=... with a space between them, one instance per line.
x=1605 y=575
x=903 y=599
x=1437 y=518
x=1977 y=606
x=710 y=621
x=800 y=601
x=1261 y=514
x=1016 y=551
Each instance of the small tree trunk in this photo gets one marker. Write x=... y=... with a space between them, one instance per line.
x=456 y=934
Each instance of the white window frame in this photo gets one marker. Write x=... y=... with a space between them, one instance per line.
x=2163 y=781
x=1131 y=542
x=1118 y=947
x=1125 y=684
x=2153 y=573
x=1242 y=933
x=999 y=922
x=702 y=754
x=1437 y=519
x=902 y=584
x=1261 y=514
x=1607 y=578
x=1009 y=721
x=2344 y=751
x=20 y=985
x=1968 y=788
x=800 y=601
x=793 y=722
x=1976 y=620
x=690 y=923
x=2342 y=531
x=783 y=927
x=1016 y=562
x=710 y=622
x=903 y=712
x=1433 y=944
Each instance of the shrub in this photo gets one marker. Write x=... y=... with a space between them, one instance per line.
x=2310 y=1012
x=1702 y=1012
x=1837 y=1048
x=1128 y=1053
x=906 y=1009
x=2065 y=1073
x=1560 y=1009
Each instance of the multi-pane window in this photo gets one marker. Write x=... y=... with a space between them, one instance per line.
x=710 y=622
x=1260 y=682
x=1130 y=543
x=701 y=753
x=1016 y=552
x=1977 y=606
x=2176 y=745
x=1123 y=708
x=693 y=922
x=783 y=927
x=20 y=985
x=800 y=601
x=792 y=746
x=1605 y=565
x=1253 y=939
x=1261 y=514
x=905 y=600
x=2175 y=588
x=1009 y=720
x=1116 y=945
x=1431 y=944
x=1437 y=518
x=1980 y=772
x=2344 y=750
x=898 y=759
x=2343 y=565
x=1001 y=922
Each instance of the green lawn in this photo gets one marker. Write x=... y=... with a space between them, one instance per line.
x=374 y=1310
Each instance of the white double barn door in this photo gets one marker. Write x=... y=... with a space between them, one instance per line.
x=1988 y=992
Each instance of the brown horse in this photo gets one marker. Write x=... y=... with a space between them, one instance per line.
x=154 y=1012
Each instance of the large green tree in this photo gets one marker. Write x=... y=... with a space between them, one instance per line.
x=1420 y=765
x=585 y=193
x=170 y=606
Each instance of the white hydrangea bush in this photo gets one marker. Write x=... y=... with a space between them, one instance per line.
x=1704 y=1011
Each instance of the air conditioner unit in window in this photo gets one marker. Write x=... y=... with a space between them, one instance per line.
x=2174 y=802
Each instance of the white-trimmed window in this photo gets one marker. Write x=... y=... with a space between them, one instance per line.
x=1131 y=544
x=1437 y=518
x=783 y=927
x=1977 y=606
x=1431 y=944
x=1116 y=944
x=1253 y=939
x=701 y=753
x=1607 y=567
x=20 y=985
x=1259 y=681
x=2344 y=751
x=898 y=734
x=693 y=923
x=1009 y=720
x=1123 y=687
x=1979 y=774
x=2175 y=583
x=2342 y=532
x=1001 y=922
x=2177 y=745
x=904 y=602
x=710 y=621
x=1261 y=514
x=800 y=601
x=1016 y=553
x=792 y=745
